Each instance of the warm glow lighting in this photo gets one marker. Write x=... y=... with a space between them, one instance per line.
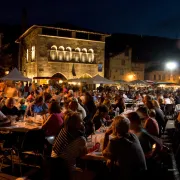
x=27 y=55
x=79 y=84
x=130 y=76
x=6 y=72
x=60 y=81
x=171 y=65
x=33 y=53
x=154 y=146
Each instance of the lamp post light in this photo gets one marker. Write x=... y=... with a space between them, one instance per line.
x=171 y=66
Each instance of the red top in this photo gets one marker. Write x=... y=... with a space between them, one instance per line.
x=53 y=124
x=151 y=126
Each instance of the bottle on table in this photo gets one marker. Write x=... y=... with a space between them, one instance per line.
x=117 y=111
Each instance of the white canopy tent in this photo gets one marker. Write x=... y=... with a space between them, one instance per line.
x=15 y=75
x=99 y=80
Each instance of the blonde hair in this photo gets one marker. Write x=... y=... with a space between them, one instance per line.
x=121 y=125
x=9 y=100
x=156 y=104
x=107 y=102
x=70 y=119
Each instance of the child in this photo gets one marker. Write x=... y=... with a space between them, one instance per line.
x=22 y=107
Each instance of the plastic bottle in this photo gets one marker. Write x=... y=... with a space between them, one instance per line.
x=117 y=111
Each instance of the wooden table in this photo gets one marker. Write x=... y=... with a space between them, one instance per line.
x=21 y=127
x=96 y=156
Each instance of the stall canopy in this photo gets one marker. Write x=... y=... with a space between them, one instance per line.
x=138 y=82
x=121 y=82
x=99 y=80
x=15 y=75
x=77 y=80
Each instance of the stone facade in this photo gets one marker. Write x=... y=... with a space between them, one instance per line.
x=138 y=70
x=85 y=55
x=121 y=67
x=163 y=76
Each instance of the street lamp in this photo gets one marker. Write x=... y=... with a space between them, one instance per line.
x=171 y=66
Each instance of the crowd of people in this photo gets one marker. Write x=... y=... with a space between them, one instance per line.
x=132 y=138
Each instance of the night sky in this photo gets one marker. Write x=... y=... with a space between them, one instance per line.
x=146 y=17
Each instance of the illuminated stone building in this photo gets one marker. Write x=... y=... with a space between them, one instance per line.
x=46 y=52
x=121 y=67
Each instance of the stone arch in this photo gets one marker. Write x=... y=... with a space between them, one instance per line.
x=60 y=76
x=61 y=48
x=54 y=47
x=78 y=49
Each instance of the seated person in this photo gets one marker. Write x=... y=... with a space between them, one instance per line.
x=36 y=107
x=4 y=121
x=54 y=123
x=9 y=108
x=98 y=119
x=146 y=140
x=70 y=142
x=22 y=107
x=75 y=106
x=124 y=152
x=31 y=97
x=149 y=123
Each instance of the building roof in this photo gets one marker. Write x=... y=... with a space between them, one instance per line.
x=32 y=28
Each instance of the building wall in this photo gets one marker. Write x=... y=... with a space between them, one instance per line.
x=138 y=70
x=163 y=76
x=43 y=66
x=29 y=66
x=120 y=66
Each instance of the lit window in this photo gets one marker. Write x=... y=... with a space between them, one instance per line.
x=90 y=55
x=68 y=54
x=33 y=53
x=53 y=52
x=61 y=53
x=27 y=55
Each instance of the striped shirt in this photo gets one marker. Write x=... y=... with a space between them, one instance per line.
x=68 y=147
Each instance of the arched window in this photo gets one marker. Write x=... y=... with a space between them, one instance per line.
x=84 y=50
x=90 y=55
x=53 y=52
x=84 y=55
x=27 y=55
x=61 y=53
x=68 y=53
x=77 y=54
x=33 y=53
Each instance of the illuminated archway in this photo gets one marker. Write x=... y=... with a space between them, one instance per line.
x=60 y=76
x=53 y=52
x=61 y=53
x=68 y=53
x=90 y=55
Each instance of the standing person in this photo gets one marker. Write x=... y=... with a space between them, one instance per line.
x=26 y=90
